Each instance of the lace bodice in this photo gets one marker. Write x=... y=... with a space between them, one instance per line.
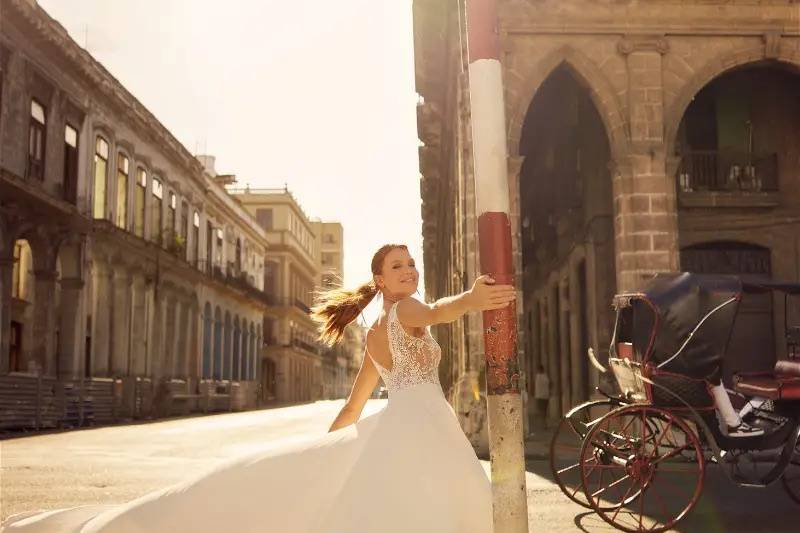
x=415 y=360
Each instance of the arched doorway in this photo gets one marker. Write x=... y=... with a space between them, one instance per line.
x=567 y=234
x=740 y=133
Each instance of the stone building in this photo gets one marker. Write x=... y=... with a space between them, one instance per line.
x=291 y=274
x=337 y=377
x=643 y=136
x=132 y=283
x=330 y=252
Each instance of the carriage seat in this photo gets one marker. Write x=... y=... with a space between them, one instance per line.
x=781 y=384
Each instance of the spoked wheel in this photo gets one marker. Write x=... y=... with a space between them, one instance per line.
x=565 y=446
x=635 y=472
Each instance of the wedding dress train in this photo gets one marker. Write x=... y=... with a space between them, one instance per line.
x=407 y=468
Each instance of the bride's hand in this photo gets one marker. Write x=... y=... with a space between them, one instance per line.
x=486 y=296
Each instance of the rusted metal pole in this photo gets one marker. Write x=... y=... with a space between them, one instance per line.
x=494 y=236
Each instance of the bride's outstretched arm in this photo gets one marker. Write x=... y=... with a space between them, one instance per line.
x=483 y=296
x=363 y=386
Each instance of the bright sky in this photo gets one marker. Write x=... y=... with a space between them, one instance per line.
x=313 y=93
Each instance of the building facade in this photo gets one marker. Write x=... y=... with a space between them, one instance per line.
x=643 y=137
x=132 y=284
x=291 y=275
x=330 y=252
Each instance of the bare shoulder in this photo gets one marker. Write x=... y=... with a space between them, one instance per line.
x=410 y=305
x=413 y=313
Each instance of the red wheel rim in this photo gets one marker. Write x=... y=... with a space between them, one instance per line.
x=634 y=469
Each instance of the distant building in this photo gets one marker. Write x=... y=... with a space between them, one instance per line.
x=330 y=252
x=132 y=284
x=291 y=275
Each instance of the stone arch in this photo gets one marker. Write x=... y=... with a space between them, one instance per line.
x=714 y=68
x=588 y=74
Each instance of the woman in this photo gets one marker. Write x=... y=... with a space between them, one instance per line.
x=406 y=468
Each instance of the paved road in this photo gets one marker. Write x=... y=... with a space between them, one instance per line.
x=116 y=464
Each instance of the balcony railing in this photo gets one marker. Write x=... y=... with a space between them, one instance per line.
x=714 y=170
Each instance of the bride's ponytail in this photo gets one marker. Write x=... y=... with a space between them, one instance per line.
x=336 y=308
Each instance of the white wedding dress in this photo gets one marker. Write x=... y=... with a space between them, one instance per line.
x=405 y=469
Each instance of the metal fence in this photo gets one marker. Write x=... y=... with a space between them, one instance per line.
x=723 y=170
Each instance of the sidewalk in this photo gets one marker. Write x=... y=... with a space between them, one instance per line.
x=537 y=443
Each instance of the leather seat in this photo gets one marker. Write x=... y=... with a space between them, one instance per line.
x=782 y=384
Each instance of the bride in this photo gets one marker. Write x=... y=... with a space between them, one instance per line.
x=406 y=468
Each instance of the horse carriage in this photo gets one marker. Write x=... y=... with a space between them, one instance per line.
x=638 y=456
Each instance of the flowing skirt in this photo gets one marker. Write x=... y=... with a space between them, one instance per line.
x=408 y=467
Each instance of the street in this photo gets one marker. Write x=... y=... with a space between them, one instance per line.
x=116 y=464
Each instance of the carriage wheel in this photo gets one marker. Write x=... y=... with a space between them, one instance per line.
x=791 y=479
x=565 y=447
x=641 y=450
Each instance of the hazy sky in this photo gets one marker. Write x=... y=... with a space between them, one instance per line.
x=313 y=93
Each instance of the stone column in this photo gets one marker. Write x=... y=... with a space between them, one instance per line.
x=138 y=325
x=158 y=335
x=553 y=366
x=6 y=273
x=44 y=320
x=101 y=319
x=646 y=222
x=564 y=348
x=72 y=328
x=577 y=355
x=120 y=322
x=171 y=336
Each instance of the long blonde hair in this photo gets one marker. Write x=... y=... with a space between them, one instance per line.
x=336 y=308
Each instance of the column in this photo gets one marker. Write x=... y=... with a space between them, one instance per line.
x=138 y=325
x=646 y=221
x=71 y=329
x=120 y=325
x=564 y=344
x=157 y=358
x=6 y=273
x=553 y=350
x=101 y=323
x=44 y=320
x=578 y=356
x=171 y=335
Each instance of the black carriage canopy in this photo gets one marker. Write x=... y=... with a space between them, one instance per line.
x=682 y=321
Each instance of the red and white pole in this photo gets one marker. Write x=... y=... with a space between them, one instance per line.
x=494 y=236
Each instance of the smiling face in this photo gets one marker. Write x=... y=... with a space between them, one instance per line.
x=399 y=275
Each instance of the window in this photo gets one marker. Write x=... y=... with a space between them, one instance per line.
x=37 y=133
x=264 y=218
x=70 y=164
x=173 y=216
x=209 y=246
x=329 y=238
x=238 y=255
x=100 y=173
x=196 y=237
x=138 y=201
x=156 y=227
x=220 y=235
x=185 y=229
x=122 y=191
